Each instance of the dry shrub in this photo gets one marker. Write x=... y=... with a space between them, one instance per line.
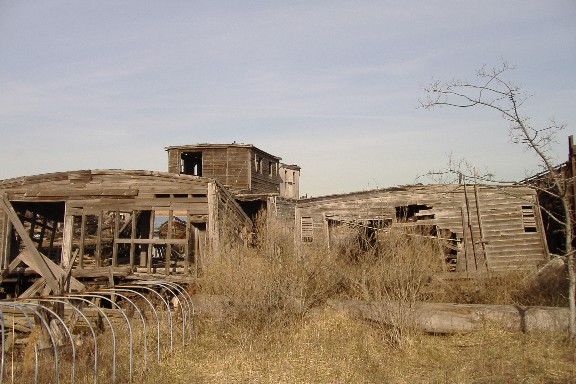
x=274 y=283
x=271 y=284
x=397 y=271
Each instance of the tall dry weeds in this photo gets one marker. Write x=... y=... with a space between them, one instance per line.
x=396 y=272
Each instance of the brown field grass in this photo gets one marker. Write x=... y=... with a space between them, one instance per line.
x=329 y=347
x=280 y=331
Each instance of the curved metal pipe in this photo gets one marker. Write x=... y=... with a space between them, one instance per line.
x=112 y=331
x=130 y=334
x=31 y=326
x=156 y=283
x=167 y=308
x=153 y=310
x=186 y=300
x=170 y=288
x=58 y=300
x=113 y=291
x=48 y=330
x=56 y=316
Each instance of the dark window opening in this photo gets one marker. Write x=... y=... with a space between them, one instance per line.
x=43 y=223
x=271 y=169
x=191 y=163
x=412 y=213
x=450 y=245
x=529 y=219
x=258 y=163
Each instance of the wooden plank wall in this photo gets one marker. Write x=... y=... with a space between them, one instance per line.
x=262 y=181
x=235 y=167
x=174 y=161
x=229 y=165
x=486 y=218
x=234 y=225
x=238 y=169
x=285 y=211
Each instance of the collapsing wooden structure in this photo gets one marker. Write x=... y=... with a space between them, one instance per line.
x=112 y=222
x=486 y=228
x=70 y=226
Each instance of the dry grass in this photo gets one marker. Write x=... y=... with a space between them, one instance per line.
x=332 y=348
x=280 y=333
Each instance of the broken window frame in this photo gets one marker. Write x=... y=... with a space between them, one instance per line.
x=307 y=229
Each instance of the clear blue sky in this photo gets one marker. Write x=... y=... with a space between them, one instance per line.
x=332 y=86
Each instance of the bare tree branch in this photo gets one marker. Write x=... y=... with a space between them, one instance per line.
x=493 y=91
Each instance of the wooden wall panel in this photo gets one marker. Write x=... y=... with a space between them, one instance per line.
x=238 y=169
x=488 y=215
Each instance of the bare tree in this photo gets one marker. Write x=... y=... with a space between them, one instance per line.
x=493 y=91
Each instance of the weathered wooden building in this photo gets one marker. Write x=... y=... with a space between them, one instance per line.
x=106 y=222
x=242 y=168
x=257 y=180
x=68 y=226
x=486 y=227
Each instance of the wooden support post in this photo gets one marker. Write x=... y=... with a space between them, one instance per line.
x=470 y=229
x=32 y=226
x=67 y=241
x=132 y=237
x=462 y=263
x=479 y=218
x=5 y=249
x=42 y=232
x=115 y=236
x=326 y=228
x=98 y=254
x=197 y=255
x=212 y=227
x=151 y=236
x=52 y=236
x=144 y=229
x=82 y=241
x=187 y=245
x=168 y=245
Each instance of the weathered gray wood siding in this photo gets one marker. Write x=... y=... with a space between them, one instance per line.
x=174 y=160
x=285 y=211
x=235 y=168
x=500 y=225
x=264 y=178
x=240 y=168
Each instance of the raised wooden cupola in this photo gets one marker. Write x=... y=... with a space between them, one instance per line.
x=242 y=168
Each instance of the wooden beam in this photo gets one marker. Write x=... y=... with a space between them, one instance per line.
x=34 y=256
x=132 y=237
x=67 y=234
x=58 y=273
x=80 y=192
